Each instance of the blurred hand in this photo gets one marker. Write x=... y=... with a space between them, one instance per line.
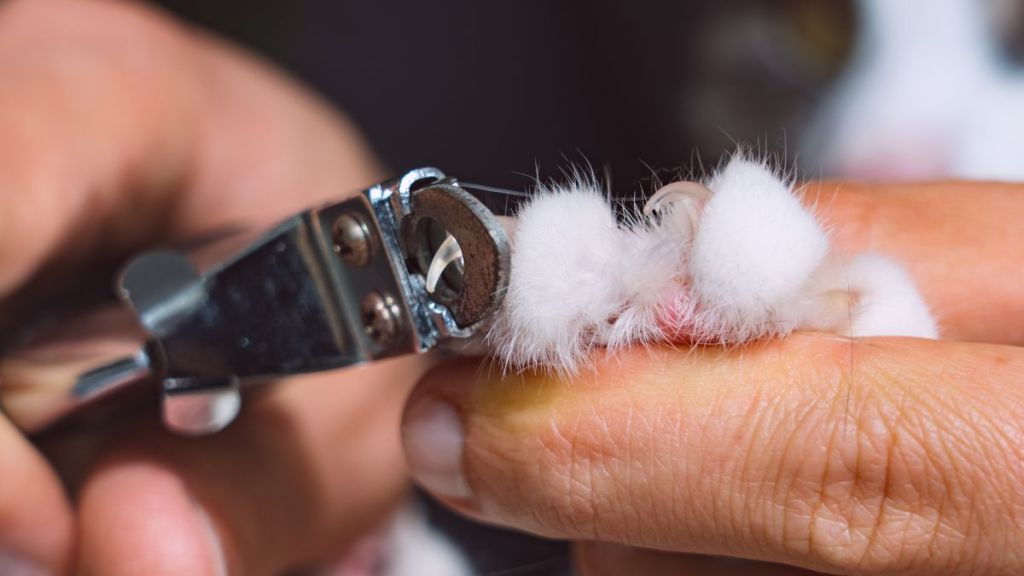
x=867 y=456
x=121 y=128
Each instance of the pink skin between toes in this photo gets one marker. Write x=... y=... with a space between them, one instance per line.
x=678 y=316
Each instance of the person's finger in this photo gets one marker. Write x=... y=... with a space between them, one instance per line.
x=816 y=451
x=960 y=241
x=310 y=467
x=122 y=128
x=127 y=129
x=139 y=502
x=602 y=559
x=36 y=523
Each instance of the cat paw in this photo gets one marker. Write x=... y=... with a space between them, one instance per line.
x=736 y=259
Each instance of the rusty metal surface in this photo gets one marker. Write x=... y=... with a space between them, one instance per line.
x=484 y=246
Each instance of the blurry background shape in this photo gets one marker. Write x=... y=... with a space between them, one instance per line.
x=928 y=93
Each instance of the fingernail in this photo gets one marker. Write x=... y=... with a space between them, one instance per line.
x=434 y=441
x=12 y=564
x=215 y=548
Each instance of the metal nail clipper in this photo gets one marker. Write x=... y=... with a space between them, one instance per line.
x=404 y=267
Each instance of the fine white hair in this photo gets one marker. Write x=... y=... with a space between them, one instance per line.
x=738 y=259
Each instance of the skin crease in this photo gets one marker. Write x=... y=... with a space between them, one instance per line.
x=871 y=456
x=123 y=128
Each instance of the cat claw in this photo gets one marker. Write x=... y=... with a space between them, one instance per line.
x=446 y=254
x=691 y=192
x=682 y=202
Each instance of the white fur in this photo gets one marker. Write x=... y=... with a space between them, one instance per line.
x=748 y=262
x=754 y=252
x=886 y=301
x=652 y=258
x=926 y=95
x=566 y=281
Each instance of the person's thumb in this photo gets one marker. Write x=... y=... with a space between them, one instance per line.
x=892 y=455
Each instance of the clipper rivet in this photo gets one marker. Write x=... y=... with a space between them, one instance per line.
x=351 y=240
x=381 y=317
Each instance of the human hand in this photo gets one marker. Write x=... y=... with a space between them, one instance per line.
x=122 y=128
x=866 y=456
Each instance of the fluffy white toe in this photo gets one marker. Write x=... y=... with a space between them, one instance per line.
x=755 y=249
x=885 y=301
x=566 y=277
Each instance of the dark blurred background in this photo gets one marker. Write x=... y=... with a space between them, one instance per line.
x=495 y=91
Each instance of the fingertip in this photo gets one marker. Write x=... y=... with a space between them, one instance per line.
x=432 y=432
x=36 y=525
x=138 y=517
x=309 y=467
x=433 y=436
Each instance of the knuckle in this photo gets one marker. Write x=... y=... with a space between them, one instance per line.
x=100 y=34
x=898 y=483
x=868 y=514
x=81 y=85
